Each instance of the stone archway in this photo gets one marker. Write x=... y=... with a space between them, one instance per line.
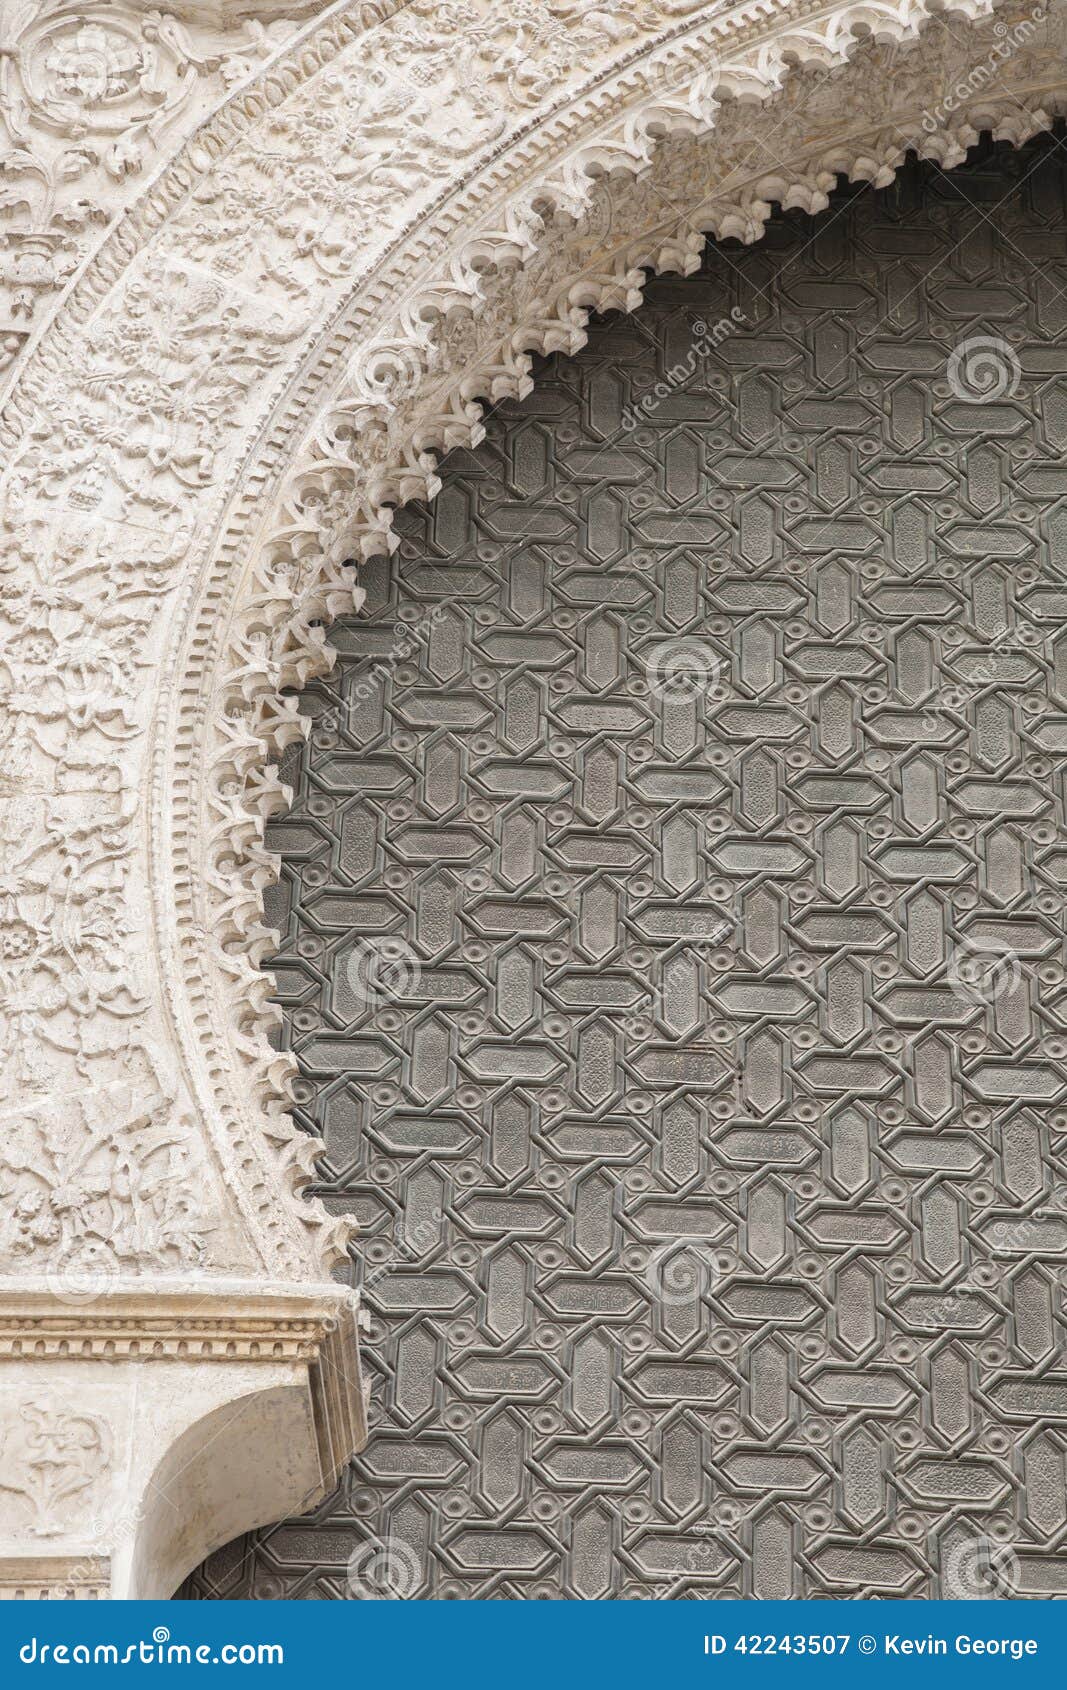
x=312 y=295
x=673 y=936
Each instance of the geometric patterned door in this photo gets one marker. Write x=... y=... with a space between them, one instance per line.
x=674 y=940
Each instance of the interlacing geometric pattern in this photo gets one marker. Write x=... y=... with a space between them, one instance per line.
x=674 y=940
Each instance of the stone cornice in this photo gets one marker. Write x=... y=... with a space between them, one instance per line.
x=153 y=1321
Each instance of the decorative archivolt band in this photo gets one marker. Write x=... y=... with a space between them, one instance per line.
x=442 y=332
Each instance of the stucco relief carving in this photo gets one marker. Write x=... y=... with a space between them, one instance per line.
x=99 y=1172
x=93 y=95
x=305 y=308
x=51 y=1456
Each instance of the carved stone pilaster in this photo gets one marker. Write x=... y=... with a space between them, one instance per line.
x=146 y=1426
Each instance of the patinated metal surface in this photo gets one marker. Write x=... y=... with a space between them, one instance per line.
x=673 y=913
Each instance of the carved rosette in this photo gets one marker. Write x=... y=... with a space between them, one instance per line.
x=93 y=97
x=300 y=312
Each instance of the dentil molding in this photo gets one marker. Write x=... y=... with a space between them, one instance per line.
x=326 y=237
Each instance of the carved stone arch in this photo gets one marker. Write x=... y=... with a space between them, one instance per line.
x=309 y=303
